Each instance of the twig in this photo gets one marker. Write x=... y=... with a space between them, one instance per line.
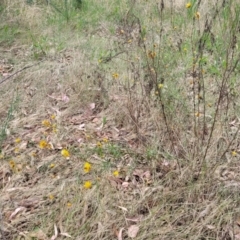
x=109 y=58
x=24 y=68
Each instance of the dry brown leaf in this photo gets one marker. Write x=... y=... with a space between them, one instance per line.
x=211 y=227
x=15 y=189
x=17 y=210
x=205 y=212
x=66 y=235
x=80 y=140
x=123 y=208
x=95 y=120
x=39 y=234
x=6 y=74
x=55 y=233
x=125 y=184
x=23 y=146
x=147 y=175
x=65 y=98
x=28 y=203
x=92 y=105
x=133 y=231
x=237 y=236
x=100 y=229
x=237 y=221
x=120 y=234
x=81 y=126
x=135 y=219
x=76 y=119
x=114 y=181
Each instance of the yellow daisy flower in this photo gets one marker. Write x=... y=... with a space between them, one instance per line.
x=87 y=167
x=17 y=140
x=197 y=15
x=46 y=123
x=52 y=165
x=234 y=153
x=188 y=5
x=115 y=75
x=151 y=54
x=116 y=173
x=65 y=153
x=197 y=114
x=12 y=164
x=99 y=144
x=43 y=144
x=16 y=150
x=105 y=140
x=51 y=197
x=88 y=185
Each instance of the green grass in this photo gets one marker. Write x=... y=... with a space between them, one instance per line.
x=147 y=94
x=4 y=127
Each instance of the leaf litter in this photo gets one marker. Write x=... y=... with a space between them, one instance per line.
x=141 y=189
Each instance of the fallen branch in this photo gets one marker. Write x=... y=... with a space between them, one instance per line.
x=22 y=69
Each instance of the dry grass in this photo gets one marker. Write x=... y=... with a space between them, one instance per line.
x=149 y=92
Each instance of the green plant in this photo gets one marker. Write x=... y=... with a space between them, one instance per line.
x=8 y=34
x=9 y=117
x=66 y=8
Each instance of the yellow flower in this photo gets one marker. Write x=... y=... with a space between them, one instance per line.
x=151 y=54
x=87 y=167
x=99 y=144
x=46 y=123
x=197 y=114
x=160 y=85
x=43 y=144
x=51 y=197
x=33 y=154
x=87 y=185
x=53 y=117
x=17 y=140
x=115 y=75
x=197 y=15
x=65 y=153
x=234 y=153
x=116 y=173
x=188 y=5
x=12 y=164
x=54 y=128
x=16 y=150
x=52 y=165
x=105 y=140
x=69 y=204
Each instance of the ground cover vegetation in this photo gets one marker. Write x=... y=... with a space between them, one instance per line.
x=119 y=119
